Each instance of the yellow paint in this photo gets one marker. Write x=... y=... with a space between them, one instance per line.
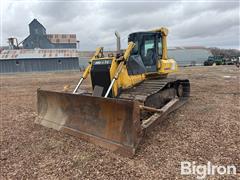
x=164 y=32
x=98 y=54
x=124 y=80
x=167 y=66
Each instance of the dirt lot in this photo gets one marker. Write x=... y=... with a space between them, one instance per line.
x=207 y=128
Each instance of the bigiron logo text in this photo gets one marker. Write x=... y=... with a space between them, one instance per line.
x=203 y=170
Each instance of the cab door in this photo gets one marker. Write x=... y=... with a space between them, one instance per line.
x=149 y=52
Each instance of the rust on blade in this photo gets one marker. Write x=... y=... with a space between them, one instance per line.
x=110 y=123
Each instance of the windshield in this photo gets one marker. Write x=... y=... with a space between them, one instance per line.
x=210 y=58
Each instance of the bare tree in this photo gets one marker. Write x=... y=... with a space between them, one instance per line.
x=227 y=53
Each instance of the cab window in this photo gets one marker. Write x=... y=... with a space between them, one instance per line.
x=160 y=47
x=148 y=45
x=148 y=51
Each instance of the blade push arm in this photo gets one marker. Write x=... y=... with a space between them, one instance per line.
x=98 y=53
x=123 y=59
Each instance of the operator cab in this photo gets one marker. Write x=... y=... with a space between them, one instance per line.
x=148 y=49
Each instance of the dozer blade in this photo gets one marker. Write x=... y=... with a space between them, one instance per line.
x=111 y=123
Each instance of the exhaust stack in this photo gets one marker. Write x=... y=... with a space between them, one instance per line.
x=118 y=42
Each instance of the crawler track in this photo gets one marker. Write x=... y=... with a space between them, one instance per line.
x=153 y=86
x=157 y=93
x=145 y=89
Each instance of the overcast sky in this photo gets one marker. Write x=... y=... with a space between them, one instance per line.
x=190 y=23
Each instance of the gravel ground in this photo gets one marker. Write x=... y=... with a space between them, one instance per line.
x=206 y=129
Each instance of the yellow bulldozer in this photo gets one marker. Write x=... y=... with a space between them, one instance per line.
x=131 y=93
